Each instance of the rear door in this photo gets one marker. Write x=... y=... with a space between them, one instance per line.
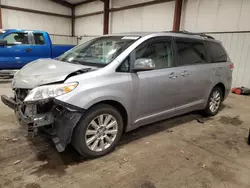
x=41 y=48
x=195 y=74
x=17 y=51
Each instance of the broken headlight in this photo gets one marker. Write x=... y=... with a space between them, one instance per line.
x=50 y=91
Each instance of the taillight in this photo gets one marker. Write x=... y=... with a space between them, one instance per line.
x=231 y=66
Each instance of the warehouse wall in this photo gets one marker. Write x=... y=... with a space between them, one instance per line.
x=226 y=20
x=25 y=20
x=90 y=26
x=158 y=17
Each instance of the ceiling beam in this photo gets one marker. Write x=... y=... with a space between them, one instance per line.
x=85 y=2
x=35 y=11
x=63 y=3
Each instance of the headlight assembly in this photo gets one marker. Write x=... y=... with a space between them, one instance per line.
x=50 y=91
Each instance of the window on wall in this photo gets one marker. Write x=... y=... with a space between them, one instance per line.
x=39 y=39
x=159 y=52
x=17 y=38
x=190 y=52
x=216 y=52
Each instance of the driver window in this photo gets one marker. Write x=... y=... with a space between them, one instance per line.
x=17 y=38
x=160 y=52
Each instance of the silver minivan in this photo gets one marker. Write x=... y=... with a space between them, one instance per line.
x=116 y=83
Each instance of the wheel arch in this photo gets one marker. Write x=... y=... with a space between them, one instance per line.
x=119 y=107
x=222 y=87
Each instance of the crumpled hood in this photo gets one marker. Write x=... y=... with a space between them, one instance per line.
x=44 y=71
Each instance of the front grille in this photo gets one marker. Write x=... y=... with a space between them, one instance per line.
x=21 y=94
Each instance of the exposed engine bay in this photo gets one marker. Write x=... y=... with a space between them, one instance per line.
x=50 y=116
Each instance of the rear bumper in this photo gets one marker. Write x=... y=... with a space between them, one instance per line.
x=227 y=91
x=59 y=122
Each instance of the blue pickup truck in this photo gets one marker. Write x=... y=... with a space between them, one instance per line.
x=19 y=47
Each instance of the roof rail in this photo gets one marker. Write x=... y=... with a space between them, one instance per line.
x=190 y=33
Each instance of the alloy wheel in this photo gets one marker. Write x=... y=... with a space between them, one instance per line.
x=215 y=100
x=101 y=132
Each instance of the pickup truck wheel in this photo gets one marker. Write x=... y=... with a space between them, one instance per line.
x=98 y=131
x=214 y=102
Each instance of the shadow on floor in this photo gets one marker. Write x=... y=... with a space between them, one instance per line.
x=57 y=163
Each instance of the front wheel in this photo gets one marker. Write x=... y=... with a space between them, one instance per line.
x=214 y=102
x=98 y=131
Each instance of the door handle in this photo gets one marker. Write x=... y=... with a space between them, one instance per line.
x=28 y=49
x=172 y=75
x=185 y=73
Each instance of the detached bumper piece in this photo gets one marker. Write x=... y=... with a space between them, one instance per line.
x=66 y=118
x=9 y=102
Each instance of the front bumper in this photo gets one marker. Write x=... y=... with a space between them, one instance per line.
x=59 y=122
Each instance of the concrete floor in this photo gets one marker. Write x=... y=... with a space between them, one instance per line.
x=212 y=154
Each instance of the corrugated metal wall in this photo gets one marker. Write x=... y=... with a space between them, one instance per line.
x=90 y=26
x=13 y=19
x=158 y=17
x=223 y=16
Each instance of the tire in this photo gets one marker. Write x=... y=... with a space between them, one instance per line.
x=215 y=99
x=87 y=129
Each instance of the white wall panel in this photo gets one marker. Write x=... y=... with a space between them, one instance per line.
x=158 y=17
x=63 y=40
x=245 y=16
x=238 y=48
x=216 y=15
x=91 y=25
x=41 y=5
x=13 y=19
x=89 y=8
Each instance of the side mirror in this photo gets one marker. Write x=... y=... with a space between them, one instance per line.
x=3 y=42
x=143 y=64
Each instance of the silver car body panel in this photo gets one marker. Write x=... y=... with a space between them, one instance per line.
x=44 y=71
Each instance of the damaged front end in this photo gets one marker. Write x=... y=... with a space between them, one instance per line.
x=51 y=116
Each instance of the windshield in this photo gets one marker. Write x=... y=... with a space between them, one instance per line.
x=99 y=51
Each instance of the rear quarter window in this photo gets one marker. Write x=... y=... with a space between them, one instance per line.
x=39 y=39
x=216 y=52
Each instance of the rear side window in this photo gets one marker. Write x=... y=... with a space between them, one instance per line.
x=39 y=39
x=216 y=52
x=190 y=52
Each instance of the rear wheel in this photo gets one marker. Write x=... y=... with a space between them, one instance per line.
x=214 y=102
x=98 y=132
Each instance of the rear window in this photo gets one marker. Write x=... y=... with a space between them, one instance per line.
x=190 y=52
x=216 y=52
x=39 y=39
